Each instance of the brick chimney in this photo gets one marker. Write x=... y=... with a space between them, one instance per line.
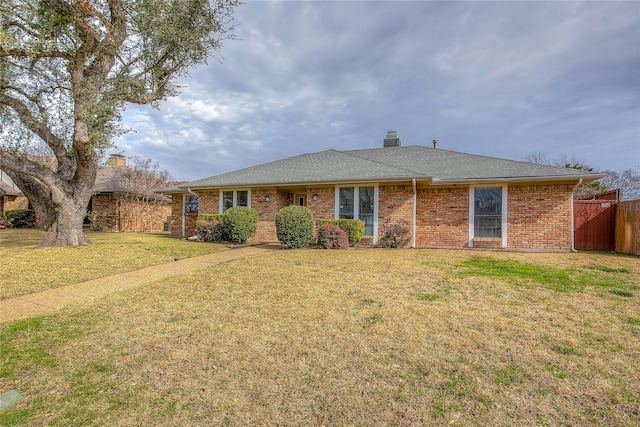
x=117 y=160
x=392 y=139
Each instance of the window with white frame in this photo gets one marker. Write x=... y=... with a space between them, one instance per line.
x=359 y=203
x=232 y=198
x=487 y=212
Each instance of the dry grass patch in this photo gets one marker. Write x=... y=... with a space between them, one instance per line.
x=338 y=338
x=26 y=269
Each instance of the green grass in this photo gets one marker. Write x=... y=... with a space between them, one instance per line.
x=557 y=279
x=316 y=337
x=27 y=269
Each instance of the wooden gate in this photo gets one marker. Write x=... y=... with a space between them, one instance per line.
x=594 y=225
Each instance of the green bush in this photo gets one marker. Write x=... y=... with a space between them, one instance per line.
x=294 y=226
x=332 y=237
x=209 y=228
x=21 y=218
x=353 y=227
x=239 y=224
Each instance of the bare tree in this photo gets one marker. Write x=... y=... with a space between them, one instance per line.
x=628 y=180
x=134 y=189
x=67 y=70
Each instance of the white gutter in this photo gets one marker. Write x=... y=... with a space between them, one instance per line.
x=415 y=198
x=573 y=232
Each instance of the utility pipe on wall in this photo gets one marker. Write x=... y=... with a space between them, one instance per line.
x=573 y=232
x=415 y=198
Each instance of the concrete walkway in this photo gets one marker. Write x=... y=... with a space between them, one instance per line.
x=54 y=299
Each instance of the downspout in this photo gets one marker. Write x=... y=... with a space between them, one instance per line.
x=573 y=232
x=415 y=198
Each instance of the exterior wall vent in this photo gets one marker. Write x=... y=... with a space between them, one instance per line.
x=392 y=139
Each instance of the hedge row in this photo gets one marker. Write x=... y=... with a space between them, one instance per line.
x=294 y=228
x=236 y=225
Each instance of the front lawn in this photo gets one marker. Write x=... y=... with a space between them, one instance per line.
x=26 y=269
x=358 y=337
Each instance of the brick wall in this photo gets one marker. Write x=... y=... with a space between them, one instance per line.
x=143 y=217
x=539 y=216
x=176 y=215
x=442 y=217
x=107 y=210
x=324 y=206
x=13 y=203
x=395 y=203
x=129 y=215
x=209 y=203
x=267 y=211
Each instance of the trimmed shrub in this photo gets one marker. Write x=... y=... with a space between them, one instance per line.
x=209 y=228
x=294 y=226
x=353 y=227
x=332 y=237
x=239 y=224
x=21 y=218
x=395 y=235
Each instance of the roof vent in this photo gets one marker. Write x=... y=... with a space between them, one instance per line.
x=435 y=143
x=392 y=139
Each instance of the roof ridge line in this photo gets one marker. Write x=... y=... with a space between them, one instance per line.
x=385 y=164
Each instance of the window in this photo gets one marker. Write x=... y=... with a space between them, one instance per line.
x=487 y=208
x=190 y=204
x=230 y=199
x=358 y=202
x=346 y=203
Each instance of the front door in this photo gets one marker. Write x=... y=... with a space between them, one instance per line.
x=300 y=199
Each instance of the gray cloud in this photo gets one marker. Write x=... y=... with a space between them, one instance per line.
x=494 y=78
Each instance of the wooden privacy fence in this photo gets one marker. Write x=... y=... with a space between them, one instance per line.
x=594 y=223
x=627 y=229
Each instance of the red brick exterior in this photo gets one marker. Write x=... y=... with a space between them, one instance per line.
x=107 y=211
x=442 y=217
x=12 y=203
x=267 y=211
x=324 y=206
x=539 y=216
x=209 y=202
x=176 y=215
x=128 y=215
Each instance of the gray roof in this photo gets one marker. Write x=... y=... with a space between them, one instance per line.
x=386 y=164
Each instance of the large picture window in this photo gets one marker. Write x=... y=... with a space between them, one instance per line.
x=233 y=198
x=359 y=203
x=487 y=204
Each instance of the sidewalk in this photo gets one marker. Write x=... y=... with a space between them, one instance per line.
x=54 y=299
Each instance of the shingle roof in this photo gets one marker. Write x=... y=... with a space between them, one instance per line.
x=385 y=164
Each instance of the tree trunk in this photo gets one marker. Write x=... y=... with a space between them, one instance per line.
x=65 y=228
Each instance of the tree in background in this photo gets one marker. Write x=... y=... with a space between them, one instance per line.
x=67 y=70
x=134 y=190
x=628 y=181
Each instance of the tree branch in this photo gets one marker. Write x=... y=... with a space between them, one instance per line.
x=33 y=124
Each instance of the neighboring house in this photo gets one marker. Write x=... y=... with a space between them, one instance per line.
x=450 y=199
x=124 y=199
x=11 y=198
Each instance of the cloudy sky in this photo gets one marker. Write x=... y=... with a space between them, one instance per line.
x=502 y=79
